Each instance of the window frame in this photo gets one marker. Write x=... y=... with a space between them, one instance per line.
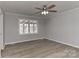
x=30 y=30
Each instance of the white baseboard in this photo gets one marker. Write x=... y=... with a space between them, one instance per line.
x=21 y=41
x=48 y=39
x=65 y=43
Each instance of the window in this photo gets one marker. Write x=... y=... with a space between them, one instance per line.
x=21 y=28
x=35 y=28
x=25 y=28
x=31 y=28
x=28 y=26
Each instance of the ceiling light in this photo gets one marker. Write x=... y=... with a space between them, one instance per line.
x=44 y=12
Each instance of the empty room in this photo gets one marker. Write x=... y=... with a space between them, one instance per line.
x=39 y=29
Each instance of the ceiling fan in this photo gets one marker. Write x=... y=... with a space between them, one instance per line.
x=46 y=9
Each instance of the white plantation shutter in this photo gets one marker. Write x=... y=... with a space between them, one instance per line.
x=35 y=28
x=31 y=28
x=21 y=28
x=26 y=28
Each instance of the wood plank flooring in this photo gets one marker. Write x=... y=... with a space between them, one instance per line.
x=40 y=49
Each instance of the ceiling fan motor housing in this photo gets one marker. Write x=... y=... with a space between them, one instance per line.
x=44 y=7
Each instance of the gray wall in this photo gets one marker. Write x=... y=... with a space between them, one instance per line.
x=64 y=27
x=1 y=30
x=12 y=28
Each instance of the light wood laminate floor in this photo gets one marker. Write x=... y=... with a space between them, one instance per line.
x=40 y=49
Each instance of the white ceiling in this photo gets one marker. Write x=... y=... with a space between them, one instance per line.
x=28 y=7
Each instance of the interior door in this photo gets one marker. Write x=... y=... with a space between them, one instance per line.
x=1 y=31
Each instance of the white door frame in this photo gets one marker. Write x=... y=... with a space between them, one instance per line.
x=0 y=53
x=1 y=32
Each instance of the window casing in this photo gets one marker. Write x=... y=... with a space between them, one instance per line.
x=28 y=26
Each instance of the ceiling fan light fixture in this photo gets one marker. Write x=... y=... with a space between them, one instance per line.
x=47 y=12
x=44 y=12
x=46 y=9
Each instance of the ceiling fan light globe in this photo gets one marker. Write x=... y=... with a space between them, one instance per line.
x=47 y=12
x=42 y=13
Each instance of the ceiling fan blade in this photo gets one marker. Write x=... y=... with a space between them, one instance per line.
x=51 y=6
x=38 y=8
x=52 y=10
x=38 y=12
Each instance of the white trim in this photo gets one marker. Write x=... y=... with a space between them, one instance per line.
x=0 y=53
x=43 y=38
x=64 y=43
x=22 y=41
